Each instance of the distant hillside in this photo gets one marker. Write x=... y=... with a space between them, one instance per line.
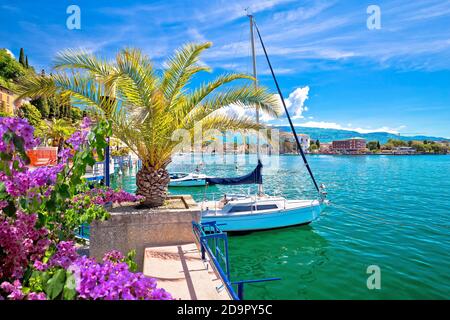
x=328 y=135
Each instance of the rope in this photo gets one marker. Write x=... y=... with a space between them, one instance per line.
x=286 y=110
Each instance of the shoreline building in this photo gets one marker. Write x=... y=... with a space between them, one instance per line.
x=9 y=101
x=288 y=144
x=403 y=150
x=325 y=147
x=352 y=145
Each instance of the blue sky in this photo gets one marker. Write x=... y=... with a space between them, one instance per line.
x=333 y=70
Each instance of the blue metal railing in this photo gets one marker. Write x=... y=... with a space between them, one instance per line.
x=214 y=241
x=83 y=231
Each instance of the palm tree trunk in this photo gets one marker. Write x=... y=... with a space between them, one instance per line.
x=152 y=184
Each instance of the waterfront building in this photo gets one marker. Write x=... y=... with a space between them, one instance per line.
x=352 y=145
x=403 y=150
x=288 y=144
x=8 y=101
x=325 y=147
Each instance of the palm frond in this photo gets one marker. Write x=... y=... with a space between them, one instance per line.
x=180 y=69
x=245 y=97
x=34 y=86
x=80 y=59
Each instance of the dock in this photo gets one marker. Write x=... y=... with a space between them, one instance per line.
x=181 y=271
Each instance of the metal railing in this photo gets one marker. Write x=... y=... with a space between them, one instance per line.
x=83 y=232
x=214 y=242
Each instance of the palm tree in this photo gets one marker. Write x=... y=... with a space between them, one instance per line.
x=146 y=106
x=58 y=130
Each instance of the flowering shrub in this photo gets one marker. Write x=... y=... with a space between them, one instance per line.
x=106 y=195
x=40 y=209
x=20 y=243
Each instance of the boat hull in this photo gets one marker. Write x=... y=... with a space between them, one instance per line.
x=188 y=183
x=265 y=221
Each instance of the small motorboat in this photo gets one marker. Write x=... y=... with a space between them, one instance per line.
x=241 y=212
x=238 y=213
x=182 y=179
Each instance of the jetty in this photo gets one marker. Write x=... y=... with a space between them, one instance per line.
x=181 y=270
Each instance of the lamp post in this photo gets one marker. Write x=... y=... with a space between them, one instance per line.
x=107 y=169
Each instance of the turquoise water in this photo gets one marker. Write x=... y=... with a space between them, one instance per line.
x=389 y=211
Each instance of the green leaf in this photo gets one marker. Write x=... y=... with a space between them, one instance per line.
x=56 y=284
x=10 y=209
x=69 y=292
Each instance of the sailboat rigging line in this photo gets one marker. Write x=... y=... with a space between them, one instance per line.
x=299 y=147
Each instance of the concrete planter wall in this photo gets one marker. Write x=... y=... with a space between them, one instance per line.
x=129 y=228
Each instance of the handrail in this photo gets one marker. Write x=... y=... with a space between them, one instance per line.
x=206 y=231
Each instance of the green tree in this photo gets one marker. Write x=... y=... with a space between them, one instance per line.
x=318 y=144
x=75 y=114
x=30 y=112
x=22 y=57
x=145 y=106
x=373 y=145
x=10 y=69
x=26 y=62
x=313 y=147
x=41 y=104
x=378 y=145
x=59 y=130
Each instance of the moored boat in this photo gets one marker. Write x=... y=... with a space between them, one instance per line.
x=237 y=213
x=182 y=179
x=261 y=211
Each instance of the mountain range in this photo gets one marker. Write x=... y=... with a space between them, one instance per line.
x=328 y=135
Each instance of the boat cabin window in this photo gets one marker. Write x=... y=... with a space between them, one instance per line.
x=177 y=175
x=267 y=206
x=243 y=208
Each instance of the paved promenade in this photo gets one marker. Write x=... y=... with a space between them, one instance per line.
x=180 y=270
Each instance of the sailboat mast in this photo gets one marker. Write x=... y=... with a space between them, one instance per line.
x=299 y=147
x=255 y=75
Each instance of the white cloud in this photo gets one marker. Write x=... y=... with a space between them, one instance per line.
x=334 y=125
x=10 y=53
x=303 y=13
x=295 y=103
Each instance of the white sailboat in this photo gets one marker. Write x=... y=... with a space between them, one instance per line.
x=261 y=211
x=183 y=179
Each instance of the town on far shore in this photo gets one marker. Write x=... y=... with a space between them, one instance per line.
x=350 y=146
x=359 y=146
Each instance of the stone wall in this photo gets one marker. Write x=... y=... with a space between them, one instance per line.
x=130 y=228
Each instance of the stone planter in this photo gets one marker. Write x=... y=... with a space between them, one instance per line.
x=129 y=228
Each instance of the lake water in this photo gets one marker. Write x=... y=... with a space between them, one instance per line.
x=388 y=211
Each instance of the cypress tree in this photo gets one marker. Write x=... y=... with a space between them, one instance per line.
x=51 y=107
x=26 y=62
x=378 y=145
x=22 y=57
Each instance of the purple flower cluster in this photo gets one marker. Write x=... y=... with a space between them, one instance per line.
x=19 y=127
x=102 y=196
x=19 y=183
x=21 y=243
x=110 y=280
x=20 y=179
x=113 y=256
x=79 y=138
x=64 y=256
x=14 y=291
x=113 y=281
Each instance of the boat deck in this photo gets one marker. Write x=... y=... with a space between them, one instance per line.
x=180 y=270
